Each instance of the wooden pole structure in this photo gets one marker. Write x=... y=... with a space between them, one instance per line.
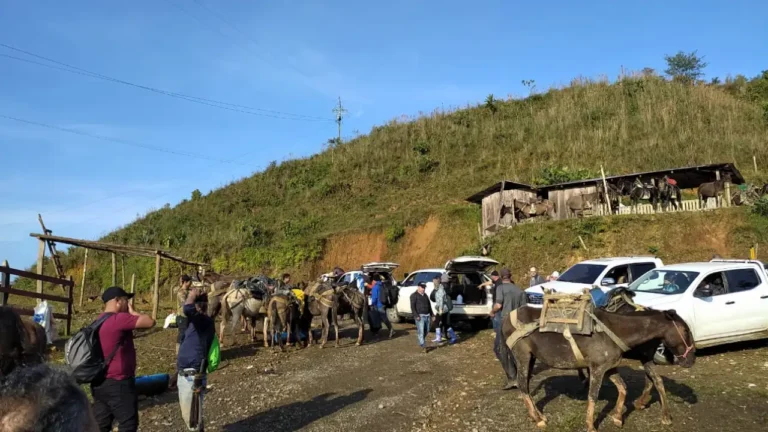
x=155 y=293
x=754 y=162
x=6 y=281
x=133 y=284
x=114 y=269
x=40 y=259
x=69 y=305
x=122 y=265
x=82 y=285
x=605 y=188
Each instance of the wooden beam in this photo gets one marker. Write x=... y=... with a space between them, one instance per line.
x=69 y=306
x=82 y=285
x=40 y=259
x=35 y=276
x=23 y=293
x=6 y=284
x=133 y=284
x=29 y=312
x=155 y=292
x=122 y=266
x=114 y=270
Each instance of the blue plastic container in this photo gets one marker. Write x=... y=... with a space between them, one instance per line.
x=151 y=385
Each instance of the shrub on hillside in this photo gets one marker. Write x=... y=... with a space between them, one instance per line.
x=761 y=207
x=394 y=233
x=554 y=174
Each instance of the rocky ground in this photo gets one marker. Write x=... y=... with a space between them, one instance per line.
x=391 y=385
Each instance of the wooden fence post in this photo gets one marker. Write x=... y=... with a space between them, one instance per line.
x=122 y=266
x=6 y=283
x=70 y=304
x=133 y=285
x=114 y=270
x=605 y=188
x=754 y=162
x=156 y=292
x=82 y=285
x=40 y=259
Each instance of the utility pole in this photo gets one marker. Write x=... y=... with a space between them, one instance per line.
x=339 y=111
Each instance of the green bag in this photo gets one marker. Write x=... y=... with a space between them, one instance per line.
x=214 y=355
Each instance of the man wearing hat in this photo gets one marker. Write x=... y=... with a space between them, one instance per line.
x=508 y=298
x=193 y=354
x=115 y=397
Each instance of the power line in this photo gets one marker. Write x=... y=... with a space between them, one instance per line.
x=195 y=99
x=246 y=36
x=116 y=140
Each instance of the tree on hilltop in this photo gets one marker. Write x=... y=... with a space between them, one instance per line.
x=686 y=67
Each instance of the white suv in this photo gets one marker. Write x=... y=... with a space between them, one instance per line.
x=722 y=301
x=386 y=269
x=607 y=273
x=466 y=272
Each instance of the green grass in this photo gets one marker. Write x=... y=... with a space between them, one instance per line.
x=412 y=167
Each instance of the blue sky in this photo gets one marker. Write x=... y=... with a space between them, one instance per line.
x=385 y=60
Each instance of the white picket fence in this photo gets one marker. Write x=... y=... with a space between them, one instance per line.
x=687 y=206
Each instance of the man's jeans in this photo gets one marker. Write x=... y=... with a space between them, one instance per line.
x=383 y=317
x=497 y=330
x=186 y=394
x=422 y=328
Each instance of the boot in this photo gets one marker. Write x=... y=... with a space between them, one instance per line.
x=451 y=336
x=438 y=335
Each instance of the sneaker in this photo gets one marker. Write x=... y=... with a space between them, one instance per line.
x=391 y=333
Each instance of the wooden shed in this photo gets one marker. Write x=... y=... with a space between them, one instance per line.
x=559 y=198
x=504 y=193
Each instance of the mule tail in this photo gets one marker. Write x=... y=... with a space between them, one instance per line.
x=275 y=322
x=506 y=359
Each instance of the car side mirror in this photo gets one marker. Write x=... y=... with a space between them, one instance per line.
x=704 y=292
x=608 y=281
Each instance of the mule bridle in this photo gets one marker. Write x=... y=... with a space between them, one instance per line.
x=688 y=348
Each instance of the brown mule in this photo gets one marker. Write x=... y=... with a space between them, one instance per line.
x=600 y=352
x=321 y=301
x=352 y=301
x=282 y=313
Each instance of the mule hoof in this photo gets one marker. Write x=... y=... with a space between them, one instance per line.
x=639 y=405
x=542 y=424
x=666 y=421
x=358 y=343
x=617 y=421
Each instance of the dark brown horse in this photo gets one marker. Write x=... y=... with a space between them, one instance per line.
x=714 y=190
x=352 y=301
x=669 y=193
x=601 y=353
x=21 y=342
x=321 y=301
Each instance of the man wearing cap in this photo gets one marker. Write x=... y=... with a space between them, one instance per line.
x=536 y=278
x=508 y=298
x=115 y=398
x=190 y=364
x=422 y=313
x=554 y=276
x=185 y=282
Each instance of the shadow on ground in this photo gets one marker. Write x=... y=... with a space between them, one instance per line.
x=570 y=386
x=296 y=415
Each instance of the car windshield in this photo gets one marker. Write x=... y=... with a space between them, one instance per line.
x=582 y=273
x=669 y=282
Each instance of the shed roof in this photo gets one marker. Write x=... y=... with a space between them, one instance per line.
x=686 y=177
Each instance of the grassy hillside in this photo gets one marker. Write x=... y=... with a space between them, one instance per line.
x=401 y=173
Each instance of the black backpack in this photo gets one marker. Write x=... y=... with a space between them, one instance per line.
x=432 y=297
x=388 y=294
x=84 y=355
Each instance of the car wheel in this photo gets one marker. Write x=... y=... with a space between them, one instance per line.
x=393 y=316
x=662 y=356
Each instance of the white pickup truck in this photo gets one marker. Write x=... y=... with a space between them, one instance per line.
x=607 y=273
x=722 y=301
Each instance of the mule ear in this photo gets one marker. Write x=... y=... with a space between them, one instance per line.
x=670 y=314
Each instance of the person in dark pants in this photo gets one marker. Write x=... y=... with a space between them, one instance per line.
x=115 y=397
x=377 y=303
x=508 y=298
x=181 y=321
x=192 y=355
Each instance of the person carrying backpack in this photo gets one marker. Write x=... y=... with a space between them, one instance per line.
x=114 y=395
x=379 y=301
x=191 y=364
x=443 y=306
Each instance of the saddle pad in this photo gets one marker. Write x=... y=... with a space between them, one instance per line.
x=571 y=311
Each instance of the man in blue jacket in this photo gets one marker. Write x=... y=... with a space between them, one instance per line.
x=377 y=292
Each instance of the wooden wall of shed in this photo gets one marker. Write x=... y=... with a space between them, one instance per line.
x=492 y=208
x=560 y=197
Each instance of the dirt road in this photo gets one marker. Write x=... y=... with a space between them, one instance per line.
x=390 y=385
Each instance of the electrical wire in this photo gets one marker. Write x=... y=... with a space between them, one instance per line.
x=195 y=99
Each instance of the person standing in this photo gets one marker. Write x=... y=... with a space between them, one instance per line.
x=443 y=305
x=377 y=298
x=115 y=397
x=422 y=313
x=508 y=298
x=193 y=355
x=185 y=282
x=536 y=278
